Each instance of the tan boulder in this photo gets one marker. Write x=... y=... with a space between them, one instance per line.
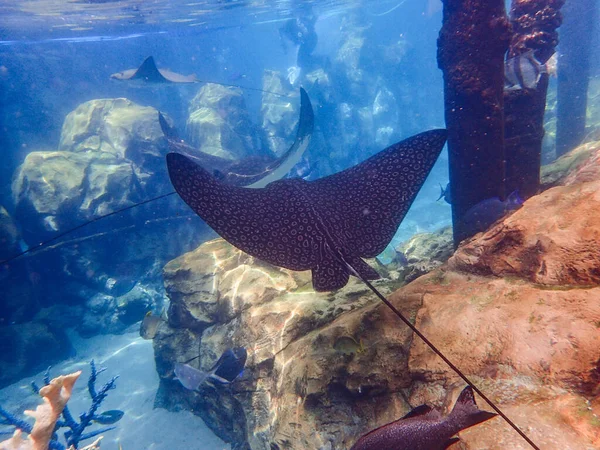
x=115 y=125
x=61 y=187
x=219 y=123
x=307 y=351
x=279 y=113
x=110 y=153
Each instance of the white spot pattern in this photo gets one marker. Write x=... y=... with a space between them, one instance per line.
x=302 y=225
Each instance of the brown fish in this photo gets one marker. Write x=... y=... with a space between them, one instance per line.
x=150 y=324
x=424 y=428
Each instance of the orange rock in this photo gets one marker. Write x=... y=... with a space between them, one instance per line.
x=552 y=240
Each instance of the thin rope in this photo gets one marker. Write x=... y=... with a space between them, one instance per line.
x=78 y=227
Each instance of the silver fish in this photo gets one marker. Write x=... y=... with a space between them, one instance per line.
x=190 y=377
x=424 y=428
x=229 y=367
x=523 y=71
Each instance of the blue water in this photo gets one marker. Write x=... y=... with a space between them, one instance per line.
x=55 y=56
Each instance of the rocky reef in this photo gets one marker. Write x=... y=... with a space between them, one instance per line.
x=110 y=153
x=516 y=308
x=279 y=114
x=219 y=122
x=110 y=156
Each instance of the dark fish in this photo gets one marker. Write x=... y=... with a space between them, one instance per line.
x=424 y=428
x=326 y=225
x=149 y=325
x=445 y=194
x=485 y=213
x=109 y=417
x=229 y=366
x=523 y=71
x=149 y=73
x=401 y=259
x=254 y=171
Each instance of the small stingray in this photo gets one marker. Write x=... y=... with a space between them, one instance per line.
x=149 y=73
x=254 y=171
x=326 y=225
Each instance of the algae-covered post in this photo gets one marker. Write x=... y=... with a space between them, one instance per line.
x=471 y=47
x=534 y=25
x=576 y=41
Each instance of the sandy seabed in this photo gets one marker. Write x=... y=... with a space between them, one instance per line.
x=142 y=427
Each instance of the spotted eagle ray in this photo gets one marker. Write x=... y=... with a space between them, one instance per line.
x=149 y=73
x=327 y=225
x=254 y=171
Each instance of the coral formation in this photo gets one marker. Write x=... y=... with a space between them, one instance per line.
x=56 y=393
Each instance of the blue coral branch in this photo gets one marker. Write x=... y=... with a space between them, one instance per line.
x=69 y=421
x=93 y=377
x=17 y=423
x=35 y=388
x=75 y=432
x=75 y=435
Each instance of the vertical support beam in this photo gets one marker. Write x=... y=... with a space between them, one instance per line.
x=534 y=25
x=576 y=40
x=471 y=47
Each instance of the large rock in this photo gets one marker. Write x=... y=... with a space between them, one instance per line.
x=305 y=349
x=279 y=114
x=56 y=190
x=534 y=351
x=219 y=122
x=552 y=240
x=110 y=156
x=116 y=126
x=9 y=235
x=325 y=368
